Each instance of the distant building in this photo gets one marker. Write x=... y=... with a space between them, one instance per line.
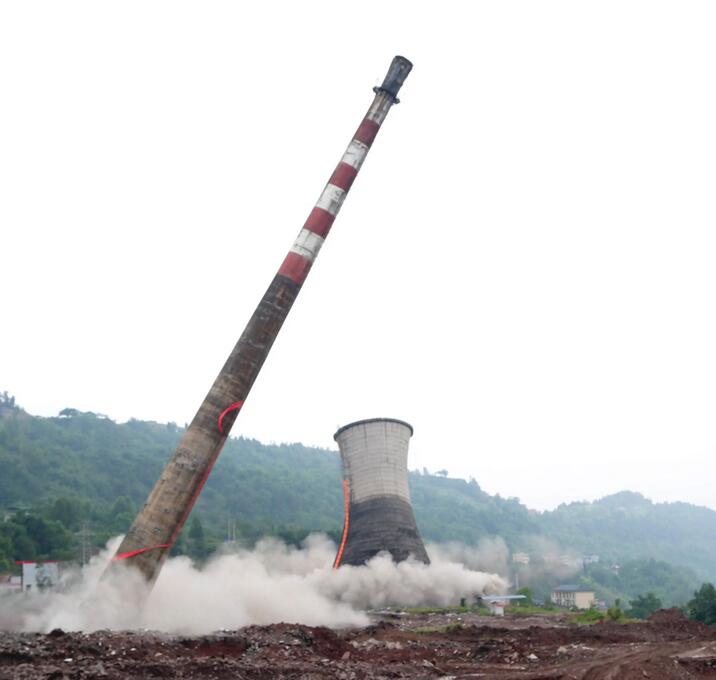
x=9 y=512
x=573 y=596
x=590 y=559
x=520 y=558
x=497 y=603
x=571 y=561
x=39 y=575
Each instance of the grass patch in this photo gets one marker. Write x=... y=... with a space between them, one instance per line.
x=482 y=611
x=437 y=610
x=592 y=616
x=450 y=628
x=530 y=610
x=589 y=617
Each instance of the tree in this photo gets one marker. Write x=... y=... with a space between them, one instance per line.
x=703 y=605
x=121 y=515
x=179 y=547
x=69 y=412
x=527 y=592
x=66 y=511
x=644 y=606
x=196 y=545
x=615 y=612
x=50 y=539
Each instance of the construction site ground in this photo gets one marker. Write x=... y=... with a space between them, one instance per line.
x=432 y=645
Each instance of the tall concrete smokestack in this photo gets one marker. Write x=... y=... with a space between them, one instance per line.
x=158 y=524
x=378 y=513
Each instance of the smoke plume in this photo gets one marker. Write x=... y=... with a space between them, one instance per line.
x=269 y=584
x=491 y=554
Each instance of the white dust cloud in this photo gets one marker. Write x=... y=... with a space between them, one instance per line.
x=269 y=584
x=491 y=554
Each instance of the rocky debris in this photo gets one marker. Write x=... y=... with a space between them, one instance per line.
x=415 y=646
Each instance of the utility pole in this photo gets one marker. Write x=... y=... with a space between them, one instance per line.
x=85 y=543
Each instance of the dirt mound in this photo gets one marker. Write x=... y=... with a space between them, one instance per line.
x=666 y=647
x=675 y=620
x=670 y=617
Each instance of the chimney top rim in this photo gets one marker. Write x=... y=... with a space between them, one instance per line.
x=367 y=421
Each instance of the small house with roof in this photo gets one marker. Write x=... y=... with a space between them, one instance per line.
x=497 y=603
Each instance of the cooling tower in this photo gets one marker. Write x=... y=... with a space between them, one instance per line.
x=378 y=513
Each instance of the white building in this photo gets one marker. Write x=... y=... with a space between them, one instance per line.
x=497 y=603
x=520 y=558
x=573 y=596
x=39 y=575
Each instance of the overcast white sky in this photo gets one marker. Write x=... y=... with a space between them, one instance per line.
x=524 y=269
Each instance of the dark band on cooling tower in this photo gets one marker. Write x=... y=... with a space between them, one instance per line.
x=385 y=523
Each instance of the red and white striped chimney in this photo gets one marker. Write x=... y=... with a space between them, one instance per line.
x=158 y=524
x=305 y=249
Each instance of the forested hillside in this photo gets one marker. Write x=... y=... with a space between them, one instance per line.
x=628 y=526
x=82 y=472
x=89 y=457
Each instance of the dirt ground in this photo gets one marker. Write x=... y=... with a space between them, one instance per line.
x=396 y=646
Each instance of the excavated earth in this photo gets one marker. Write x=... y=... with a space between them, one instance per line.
x=396 y=646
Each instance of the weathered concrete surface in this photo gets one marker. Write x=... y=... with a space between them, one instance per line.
x=173 y=496
x=374 y=454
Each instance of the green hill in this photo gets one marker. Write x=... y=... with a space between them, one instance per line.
x=628 y=526
x=89 y=457
x=84 y=471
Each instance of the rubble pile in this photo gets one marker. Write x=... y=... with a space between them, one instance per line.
x=400 y=646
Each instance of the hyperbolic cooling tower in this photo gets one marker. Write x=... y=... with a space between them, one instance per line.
x=379 y=515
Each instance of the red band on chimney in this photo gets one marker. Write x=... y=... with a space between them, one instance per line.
x=319 y=222
x=367 y=131
x=295 y=268
x=343 y=176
